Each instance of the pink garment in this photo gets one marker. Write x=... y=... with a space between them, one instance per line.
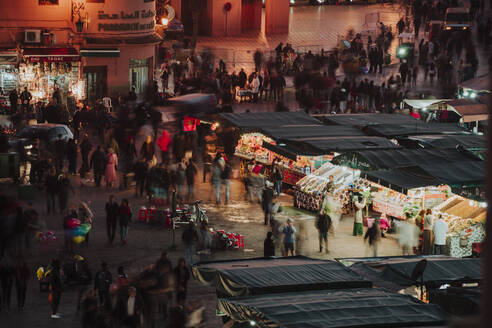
x=112 y=162
x=257 y=169
x=383 y=223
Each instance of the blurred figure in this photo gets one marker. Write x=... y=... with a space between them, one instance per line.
x=440 y=230
x=268 y=245
x=289 y=232
x=372 y=236
x=323 y=223
x=427 y=236
x=181 y=276
x=409 y=233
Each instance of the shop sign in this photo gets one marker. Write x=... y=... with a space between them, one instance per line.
x=291 y=177
x=137 y=14
x=52 y=59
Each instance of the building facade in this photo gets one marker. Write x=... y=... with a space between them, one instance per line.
x=88 y=48
x=234 y=17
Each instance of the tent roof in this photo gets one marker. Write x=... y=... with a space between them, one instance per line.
x=400 y=180
x=471 y=110
x=363 y=307
x=394 y=158
x=422 y=175
x=395 y=272
x=416 y=128
x=423 y=103
x=269 y=119
x=481 y=83
x=307 y=131
x=451 y=141
x=323 y=145
x=273 y=275
x=362 y=120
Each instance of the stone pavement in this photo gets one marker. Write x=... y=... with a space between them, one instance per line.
x=145 y=243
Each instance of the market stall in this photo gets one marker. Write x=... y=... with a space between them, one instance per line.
x=45 y=69
x=466 y=224
x=312 y=189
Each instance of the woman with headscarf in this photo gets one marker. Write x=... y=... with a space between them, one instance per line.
x=111 y=165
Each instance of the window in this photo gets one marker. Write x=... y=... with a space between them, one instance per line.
x=48 y=2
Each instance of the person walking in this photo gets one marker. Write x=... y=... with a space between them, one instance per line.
x=125 y=216
x=85 y=149
x=181 y=278
x=111 y=167
x=267 y=201
x=226 y=179
x=7 y=276
x=63 y=188
x=72 y=150
x=323 y=223
x=191 y=171
x=180 y=181
x=278 y=176
x=440 y=229
x=129 y=308
x=102 y=282
x=289 y=231
x=189 y=239
x=358 y=227
x=372 y=235
x=55 y=285
x=22 y=276
x=140 y=171
x=98 y=165
x=427 y=235
x=217 y=167
x=409 y=233
x=112 y=212
x=60 y=153
x=268 y=245
x=86 y=216
x=147 y=151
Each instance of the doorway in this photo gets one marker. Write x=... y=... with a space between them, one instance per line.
x=139 y=75
x=251 y=11
x=96 y=82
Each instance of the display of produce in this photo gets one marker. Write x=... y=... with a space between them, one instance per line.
x=250 y=146
x=396 y=204
x=465 y=219
x=311 y=189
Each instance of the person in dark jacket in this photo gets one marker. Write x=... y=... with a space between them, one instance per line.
x=147 y=151
x=102 y=282
x=63 y=188
x=22 y=276
x=140 y=170
x=268 y=245
x=98 y=165
x=89 y=309
x=60 y=152
x=372 y=235
x=56 y=288
x=323 y=223
x=129 y=308
x=191 y=171
x=112 y=213
x=51 y=190
x=267 y=201
x=72 y=156
x=85 y=149
x=182 y=276
x=190 y=238
x=125 y=218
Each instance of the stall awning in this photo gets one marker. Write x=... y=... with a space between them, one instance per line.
x=424 y=103
x=395 y=272
x=100 y=52
x=327 y=145
x=8 y=56
x=417 y=128
x=363 y=307
x=275 y=275
x=450 y=141
x=400 y=180
x=259 y=120
x=49 y=55
x=311 y=130
x=470 y=110
x=283 y=151
x=394 y=158
x=362 y=120
x=479 y=84
x=457 y=173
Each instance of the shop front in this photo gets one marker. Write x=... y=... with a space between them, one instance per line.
x=8 y=71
